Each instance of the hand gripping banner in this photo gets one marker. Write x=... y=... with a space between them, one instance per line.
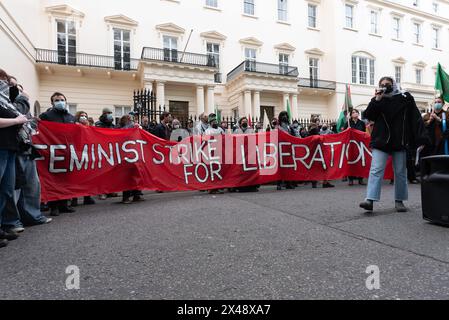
x=78 y=161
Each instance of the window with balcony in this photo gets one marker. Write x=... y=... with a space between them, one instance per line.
x=282 y=10
x=170 y=48
x=363 y=69
x=283 y=63
x=66 y=42
x=349 y=11
x=312 y=10
x=213 y=54
x=250 y=59
x=313 y=71
x=122 y=49
x=248 y=7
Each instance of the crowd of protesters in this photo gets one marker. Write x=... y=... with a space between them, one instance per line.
x=19 y=181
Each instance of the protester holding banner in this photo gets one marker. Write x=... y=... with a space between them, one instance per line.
x=59 y=113
x=244 y=127
x=106 y=119
x=284 y=125
x=202 y=126
x=11 y=122
x=224 y=127
x=434 y=125
x=162 y=130
x=398 y=125
x=357 y=124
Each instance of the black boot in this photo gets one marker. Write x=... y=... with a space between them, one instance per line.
x=367 y=205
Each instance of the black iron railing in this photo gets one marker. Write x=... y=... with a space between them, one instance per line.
x=176 y=56
x=317 y=84
x=85 y=60
x=264 y=68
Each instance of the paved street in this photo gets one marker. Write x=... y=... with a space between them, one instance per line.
x=300 y=244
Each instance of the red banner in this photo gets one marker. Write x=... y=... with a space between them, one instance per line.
x=79 y=161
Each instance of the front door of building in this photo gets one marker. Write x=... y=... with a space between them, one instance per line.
x=266 y=110
x=179 y=110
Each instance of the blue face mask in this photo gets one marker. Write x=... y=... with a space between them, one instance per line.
x=438 y=106
x=60 y=105
x=109 y=117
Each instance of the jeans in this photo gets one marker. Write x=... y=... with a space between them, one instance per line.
x=8 y=213
x=29 y=197
x=377 y=173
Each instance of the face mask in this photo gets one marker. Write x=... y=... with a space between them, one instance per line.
x=388 y=88
x=438 y=106
x=109 y=117
x=177 y=126
x=215 y=126
x=60 y=105
x=13 y=93
x=83 y=119
x=245 y=125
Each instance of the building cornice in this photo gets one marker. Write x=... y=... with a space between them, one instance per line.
x=64 y=10
x=408 y=10
x=121 y=20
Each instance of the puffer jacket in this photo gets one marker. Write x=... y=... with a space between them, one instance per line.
x=398 y=124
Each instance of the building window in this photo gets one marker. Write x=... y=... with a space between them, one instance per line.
x=349 y=16
x=282 y=10
x=435 y=7
x=120 y=111
x=122 y=49
x=213 y=53
x=283 y=63
x=398 y=73
x=248 y=7
x=417 y=32
x=363 y=70
x=436 y=37
x=397 y=27
x=250 y=58
x=170 y=49
x=312 y=15
x=418 y=73
x=66 y=40
x=212 y=3
x=374 y=22
x=313 y=71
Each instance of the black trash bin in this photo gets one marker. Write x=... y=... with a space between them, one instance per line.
x=435 y=189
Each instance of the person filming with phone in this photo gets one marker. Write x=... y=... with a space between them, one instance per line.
x=398 y=125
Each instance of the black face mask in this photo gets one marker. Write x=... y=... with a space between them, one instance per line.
x=215 y=126
x=245 y=125
x=13 y=93
x=388 y=89
x=284 y=120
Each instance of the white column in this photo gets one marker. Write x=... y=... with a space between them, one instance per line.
x=295 y=110
x=199 y=100
x=160 y=93
x=247 y=103
x=210 y=99
x=256 y=108
x=286 y=97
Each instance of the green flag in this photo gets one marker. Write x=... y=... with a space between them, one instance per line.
x=289 y=111
x=218 y=114
x=347 y=109
x=442 y=83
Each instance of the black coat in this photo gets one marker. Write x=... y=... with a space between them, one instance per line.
x=54 y=115
x=162 y=131
x=398 y=124
x=359 y=125
x=103 y=123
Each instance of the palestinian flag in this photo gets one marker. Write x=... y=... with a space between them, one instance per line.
x=346 y=110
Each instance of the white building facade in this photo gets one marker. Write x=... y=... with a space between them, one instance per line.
x=243 y=57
